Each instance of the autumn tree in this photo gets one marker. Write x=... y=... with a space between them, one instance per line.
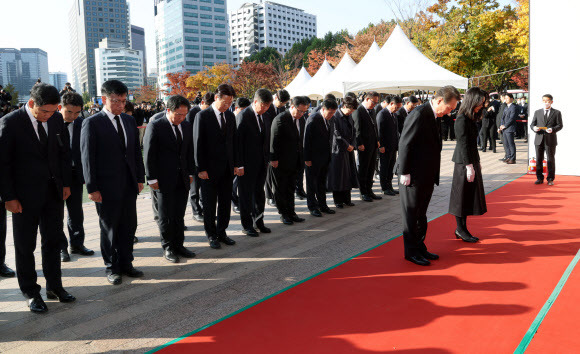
x=251 y=76
x=267 y=55
x=210 y=78
x=146 y=93
x=177 y=85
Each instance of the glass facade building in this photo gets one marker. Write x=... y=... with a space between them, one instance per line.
x=22 y=68
x=114 y=61
x=58 y=79
x=138 y=43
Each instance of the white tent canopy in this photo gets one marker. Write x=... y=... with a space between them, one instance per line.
x=398 y=67
x=313 y=88
x=333 y=83
x=299 y=81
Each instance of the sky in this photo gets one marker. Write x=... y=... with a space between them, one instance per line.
x=44 y=23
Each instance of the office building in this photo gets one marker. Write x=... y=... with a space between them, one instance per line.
x=58 y=79
x=22 y=68
x=189 y=35
x=116 y=61
x=255 y=26
x=138 y=43
x=89 y=22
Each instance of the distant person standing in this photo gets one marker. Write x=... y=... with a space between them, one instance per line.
x=508 y=129
x=241 y=104
x=488 y=127
x=410 y=103
x=389 y=138
x=546 y=140
x=281 y=99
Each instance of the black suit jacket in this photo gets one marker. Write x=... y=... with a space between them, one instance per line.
x=509 y=117
x=190 y=117
x=165 y=161
x=554 y=121
x=317 y=141
x=252 y=145
x=285 y=142
x=502 y=107
x=401 y=116
x=466 y=148
x=75 y=148
x=105 y=161
x=366 y=133
x=214 y=149
x=420 y=147
x=26 y=168
x=388 y=130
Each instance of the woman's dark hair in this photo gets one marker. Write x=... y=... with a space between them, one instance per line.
x=350 y=102
x=176 y=101
x=473 y=98
x=43 y=94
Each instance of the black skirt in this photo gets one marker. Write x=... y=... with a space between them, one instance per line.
x=467 y=198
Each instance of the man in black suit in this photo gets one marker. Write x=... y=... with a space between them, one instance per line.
x=387 y=122
x=508 y=129
x=114 y=175
x=70 y=109
x=546 y=139
x=214 y=140
x=253 y=161
x=488 y=127
x=34 y=180
x=299 y=192
x=502 y=108
x=169 y=165
x=419 y=165
x=194 y=189
x=368 y=144
x=410 y=103
x=286 y=156
x=317 y=147
x=241 y=104
x=384 y=103
x=281 y=98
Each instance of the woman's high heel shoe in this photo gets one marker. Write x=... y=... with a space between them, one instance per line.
x=466 y=238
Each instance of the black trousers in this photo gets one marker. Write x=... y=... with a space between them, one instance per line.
x=75 y=218
x=366 y=168
x=47 y=216
x=300 y=179
x=216 y=195
x=551 y=156
x=414 y=203
x=341 y=197
x=118 y=223
x=509 y=145
x=283 y=185
x=252 y=196
x=488 y=134
x=269 y=179
x=235 y=195
x=316 y=186
x=2 y=233
x=387 y=160
x=195 y=195
x=171 y=205
x=448 y=128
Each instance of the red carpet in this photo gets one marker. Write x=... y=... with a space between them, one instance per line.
x=479 y=298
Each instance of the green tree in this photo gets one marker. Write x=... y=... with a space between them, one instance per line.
x=267 y=55
x=86 y=97
x=12 y=91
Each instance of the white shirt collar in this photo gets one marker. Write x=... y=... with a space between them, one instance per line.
x=433 y=108
x=109 y=114
x=30 y=115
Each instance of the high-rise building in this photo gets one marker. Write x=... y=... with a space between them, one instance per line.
x=58 y=79
x=22 y=68
x=89 y=22
x=190 y=34
x=255 y=26
x=138 y=43
x=115 y=61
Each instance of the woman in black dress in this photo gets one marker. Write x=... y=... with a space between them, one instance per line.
x=342 y=176
x=467 y=193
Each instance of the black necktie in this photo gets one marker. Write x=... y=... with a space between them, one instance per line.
x=178 y=136
x=66 y=124
x=298 y=126
x=42 y=135
x=222 y=121
x=261 y=123
x=546 y=116
x=325 y=123
x=120 y=132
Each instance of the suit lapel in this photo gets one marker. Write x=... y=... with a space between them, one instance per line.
x=168 y=127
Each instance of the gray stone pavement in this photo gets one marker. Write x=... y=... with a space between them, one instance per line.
x=175 y=299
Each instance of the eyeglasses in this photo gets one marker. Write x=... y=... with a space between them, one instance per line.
x=116 y=100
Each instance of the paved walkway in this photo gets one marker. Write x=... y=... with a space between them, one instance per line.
x=174 y=299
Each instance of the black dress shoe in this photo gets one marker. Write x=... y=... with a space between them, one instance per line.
x=263 y=229
x=133 y=272
x=114 y=278
x=170 y=256
x=236 y=209
x=510 y=162
x=228 y=241
x=419 y=260
x=37 y=305
x=62 y=295
x=286 y=220
x=300 y=195
x=350 y=204
x=250 y=232
x=389 y=192
x=83 y=251
x=466 y=238
x=366 y=198
x=550 y=183
x=198 y=217
x=339 y=206
x=214 y=243
x=502 y=160
x=430 y=256
x=64 y=256
x=296 y=218
x=327 y=210
x=539 y=181
x=6 y=272
x=271 y=202
x=315 y=212
x=184 y=252
x=135 y=239
x=376 y=197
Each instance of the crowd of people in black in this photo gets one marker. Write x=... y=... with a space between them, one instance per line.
x=225 y=154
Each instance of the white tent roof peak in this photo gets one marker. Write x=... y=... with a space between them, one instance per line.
x=312 y=88
x=299 y=81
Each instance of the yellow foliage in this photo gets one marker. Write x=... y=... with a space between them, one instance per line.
x=517 y=32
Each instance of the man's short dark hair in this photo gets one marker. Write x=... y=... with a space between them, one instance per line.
x=330 y=104
x=129 y=107
x=264 y=96
x=549 y=96
x=412 y=99
x=329 y=96
x=113 y=87
x=396 y=99
x=67 y=84
x=387 y=98
x=208 y=98
x=351 y=94
x=72 y=99
x=448 y=93
x=509 y=95
x=43 y=94
x=176 y=101
x=300 y=100
x=243 y=102
x=225 y=90
x=371 y=94
x=283 y=95
x=349 y=101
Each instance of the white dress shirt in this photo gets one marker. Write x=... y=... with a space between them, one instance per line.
x=35 y=122
x=112 y=118
x=433 y=108
x=217 y=114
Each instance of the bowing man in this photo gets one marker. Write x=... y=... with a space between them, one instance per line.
x=241 y=104
x=318 y=135
x=34 y=180
x=214 y=140
x=169 y=165
x=281 y=98
x=114 y=176
x=387 y=122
